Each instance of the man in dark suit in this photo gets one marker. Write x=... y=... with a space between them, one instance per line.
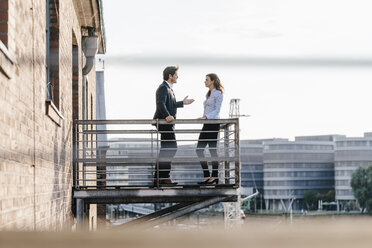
x=166 y=108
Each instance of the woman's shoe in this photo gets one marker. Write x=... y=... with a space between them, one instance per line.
x=213 y=180
x=204 y=181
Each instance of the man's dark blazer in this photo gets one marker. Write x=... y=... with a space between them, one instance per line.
x=166 y=103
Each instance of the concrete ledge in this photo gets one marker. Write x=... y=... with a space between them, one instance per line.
x=53 y=113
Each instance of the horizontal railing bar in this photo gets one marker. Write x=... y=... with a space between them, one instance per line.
x=117 y=179
x=133 y=156
x=133 y=165
x=101 y=172
x=145 y=179
x=154 y=160
x=146 y=173
x=118 y=132
x=150 y=181
x=181 y=147
x=112 y=186
x=142 y=165
x=150 y=154
x=145 y=155
x=154 y=122
x=149 y=149
x=196 y=131
x=95 y=164
x=147 y=141
x=152 y=131
x=122 y=141
x=150 y=161
x=220 y=152
x=148 y=177
x=163 y=159
x=145 y=186
x=133 y=172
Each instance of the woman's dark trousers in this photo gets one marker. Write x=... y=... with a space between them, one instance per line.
x=208 y=138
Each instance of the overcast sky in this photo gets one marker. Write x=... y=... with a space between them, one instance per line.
x=228 y=37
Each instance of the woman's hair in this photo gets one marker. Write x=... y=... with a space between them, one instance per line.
x=216 y=82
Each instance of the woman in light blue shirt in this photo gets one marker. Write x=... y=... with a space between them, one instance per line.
x=209 y=133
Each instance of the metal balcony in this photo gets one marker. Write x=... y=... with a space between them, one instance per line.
x=116 y=161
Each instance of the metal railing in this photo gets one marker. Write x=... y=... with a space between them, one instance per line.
x=125 y=153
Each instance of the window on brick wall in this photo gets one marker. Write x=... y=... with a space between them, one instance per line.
x=4 y=21
x=52 y=51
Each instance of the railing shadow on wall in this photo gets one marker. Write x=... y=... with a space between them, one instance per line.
x=119 y=154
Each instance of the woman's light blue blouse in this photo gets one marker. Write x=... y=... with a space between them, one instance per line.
x=212 y=105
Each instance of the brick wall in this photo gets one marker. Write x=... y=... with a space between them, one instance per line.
x=35 y=151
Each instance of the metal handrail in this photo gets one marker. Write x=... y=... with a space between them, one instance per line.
x=154 y=121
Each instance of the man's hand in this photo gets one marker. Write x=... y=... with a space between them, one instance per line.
x=202 y=118
x=187 y=101
x=169 y=119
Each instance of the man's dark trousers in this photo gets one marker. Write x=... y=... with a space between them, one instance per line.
x=168 y=148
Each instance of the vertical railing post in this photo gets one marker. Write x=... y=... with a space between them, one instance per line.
x=237 y=153
x=75 y=151
x=94 y=150
x=92 y=140
x=226 y=148
x=157 y=154
x=152 y=153
x=85 y=141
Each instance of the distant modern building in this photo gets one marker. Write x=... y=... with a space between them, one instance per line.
x=252 y=168
x=281 y=170
x=350 y=153
x=251 y=154
x=251 y=157
x=293 y=167
x=368 y=135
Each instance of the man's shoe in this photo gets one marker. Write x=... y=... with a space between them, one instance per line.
x=167 y=182
x=155 y=182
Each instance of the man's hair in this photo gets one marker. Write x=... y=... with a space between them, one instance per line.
x=169 y=70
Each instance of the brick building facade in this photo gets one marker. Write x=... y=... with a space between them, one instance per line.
x=45 y=83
